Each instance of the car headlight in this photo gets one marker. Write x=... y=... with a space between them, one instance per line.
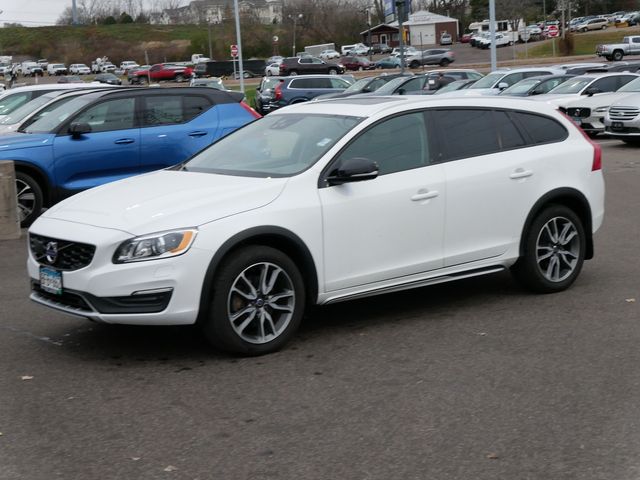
x=155 y=246
x=601 y=109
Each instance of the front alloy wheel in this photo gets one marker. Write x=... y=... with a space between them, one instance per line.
x=258 y=301
x=30 y=198
x=553 y=251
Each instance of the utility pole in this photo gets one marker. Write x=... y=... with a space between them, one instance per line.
x=209 y=36
x=74 y=12
x=239 y=43
x=400 y=14
x=492 y=30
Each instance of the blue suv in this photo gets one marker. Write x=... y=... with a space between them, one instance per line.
x=85 y=140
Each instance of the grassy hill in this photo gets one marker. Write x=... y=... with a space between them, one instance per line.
x=583 y=43
x=129 y=41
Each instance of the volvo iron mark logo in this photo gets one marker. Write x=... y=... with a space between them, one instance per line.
x=51 y=252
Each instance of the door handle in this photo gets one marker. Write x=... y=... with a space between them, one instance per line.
x=520 y=173
x=197 y=134
x=123 y=141
x=422 y=195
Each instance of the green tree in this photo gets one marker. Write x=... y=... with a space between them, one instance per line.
x=125 y=18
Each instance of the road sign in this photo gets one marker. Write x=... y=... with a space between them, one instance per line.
x=234 y=51
x=553 y=31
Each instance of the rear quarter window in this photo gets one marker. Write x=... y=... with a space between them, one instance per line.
x=539 y=128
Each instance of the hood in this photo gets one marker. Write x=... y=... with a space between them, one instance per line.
x=602 y=100
x=166 y=200
x=556 y=99
x=15 y=141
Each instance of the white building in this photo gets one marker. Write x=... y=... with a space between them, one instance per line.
x=425 y=27
x=215 y=11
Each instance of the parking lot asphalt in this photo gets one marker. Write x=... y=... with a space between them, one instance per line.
x=469 y=380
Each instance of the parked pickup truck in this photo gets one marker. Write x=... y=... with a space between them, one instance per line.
x=616 y=51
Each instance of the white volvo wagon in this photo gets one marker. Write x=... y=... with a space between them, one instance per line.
x=323 y=202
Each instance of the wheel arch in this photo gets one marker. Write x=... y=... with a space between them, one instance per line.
x=272 y=236
x=39 y=176
x=568 y=197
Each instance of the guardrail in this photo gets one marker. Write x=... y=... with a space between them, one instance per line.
x=9 y=219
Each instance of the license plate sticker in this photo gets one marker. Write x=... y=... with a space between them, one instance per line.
x=51 y=280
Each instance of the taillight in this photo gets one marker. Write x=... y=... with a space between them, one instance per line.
x=596 y=164
x=250 y=110
x=277 y=92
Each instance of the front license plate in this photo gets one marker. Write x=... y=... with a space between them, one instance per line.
x=51 y=280
x=576 y=120
x=617 y=125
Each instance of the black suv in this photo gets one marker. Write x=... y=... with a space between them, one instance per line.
x=307 y=66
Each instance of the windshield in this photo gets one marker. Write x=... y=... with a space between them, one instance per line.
x=359 y=85
x=21 y=113
x=389 y=87
x=521 y=87
x=574 y=85
x=51 y=116
x=633 y=86
x=452 y=87
x=489 y=81
x=274 y=146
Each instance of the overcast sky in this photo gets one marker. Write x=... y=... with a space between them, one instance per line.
x=32 y=13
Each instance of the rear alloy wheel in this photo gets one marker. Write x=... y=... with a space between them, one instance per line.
x=246 y=75
x=617 y=56
x=257 y=302
x=179 y=78
x=414 y=64
x=30 y=198
x=553 y=251
x=333 y=71
x=293 y=73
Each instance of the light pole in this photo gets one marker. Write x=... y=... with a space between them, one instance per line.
x=209 y=37
x=368 y=12
x=295 y=22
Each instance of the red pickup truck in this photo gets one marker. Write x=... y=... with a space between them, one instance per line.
x=163 y=71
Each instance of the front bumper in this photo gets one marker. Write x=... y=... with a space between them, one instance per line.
x=154 y=292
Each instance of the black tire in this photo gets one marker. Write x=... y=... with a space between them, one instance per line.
x=609 y=58
x=533 y=272
x=444 y=62
x=250 y=263
x=617 y=56
x=142 y=80
x=179 y=78
x=333 y=71
x=414 y=64
x=30 y=198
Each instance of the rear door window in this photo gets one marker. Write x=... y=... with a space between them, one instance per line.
x=162 y=110
x=465 y=133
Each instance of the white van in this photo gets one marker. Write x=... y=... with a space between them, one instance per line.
x=345 y=49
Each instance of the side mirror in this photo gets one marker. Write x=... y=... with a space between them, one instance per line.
x=78 y=129
x=503 y=85
x=591 y=91
x=355 y=169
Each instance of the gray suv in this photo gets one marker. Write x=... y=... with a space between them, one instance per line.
x=435 y=56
